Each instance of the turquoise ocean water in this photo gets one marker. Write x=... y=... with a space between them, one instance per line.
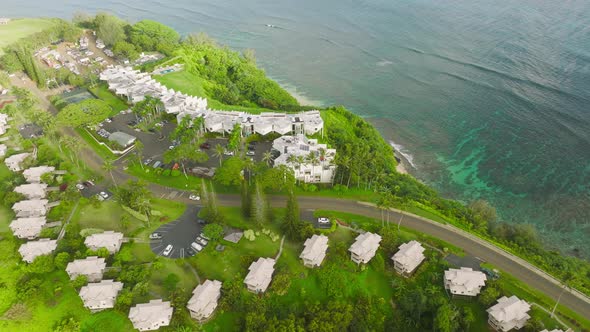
x=485 y=99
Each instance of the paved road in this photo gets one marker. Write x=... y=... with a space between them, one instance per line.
x=471 y=244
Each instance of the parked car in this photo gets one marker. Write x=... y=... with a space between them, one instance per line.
x=147 y=161
x=250 y=153
x=201 y=222
x=194 y=197
x=205 y=146
x=80 y=186
x=168 y=250
x=171 y=147
x=155 y=236
x=108 y=120
x=157 y=164
x=88 y=183
x=197 y=247
x=201 y=241
x=228 y=153
x=324 y=222
x=204 y=237
x=159 y=124
x=104 y=195
x=190 y=252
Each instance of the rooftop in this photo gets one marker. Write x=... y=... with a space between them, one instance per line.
x=27 y=228
x=204 y=299
x=151 y=316
x=34 y=174
x=32 y=190
x=101 y=295
x=260 y=274
x=109 y=240
x=409 y=256
x=464 y=281
x=32 y=249
x=509 y=309
x=314 y=250
x=88 y=266
x=365 y=244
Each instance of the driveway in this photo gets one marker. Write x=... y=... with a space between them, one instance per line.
x=180 y=234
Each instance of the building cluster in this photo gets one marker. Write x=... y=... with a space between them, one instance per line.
x=310 y=161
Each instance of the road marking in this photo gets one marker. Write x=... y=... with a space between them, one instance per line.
x=181 y=252
x=172 y=252
x=172 y=195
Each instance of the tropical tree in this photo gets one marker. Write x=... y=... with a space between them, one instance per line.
x=218 y=152
x=259 y=205
x=267 y=158
x=184 y=153
x=109 y=166
x=138 y=150
x=292 y=223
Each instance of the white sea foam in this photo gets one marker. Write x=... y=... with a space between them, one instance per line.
x=403 y=152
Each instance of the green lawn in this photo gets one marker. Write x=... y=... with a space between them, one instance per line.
x=100 y=149
x=20 y=28
x=106 y=217
x=101 y=91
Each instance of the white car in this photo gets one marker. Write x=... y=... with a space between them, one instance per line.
x=228 y=153
x=194 y=197
x=79 y=186
x=104 y=195
x=250 y=153
x=171 y=147
x=168 y=250
x=201 y=241
x=323 y=220
x=197 y=247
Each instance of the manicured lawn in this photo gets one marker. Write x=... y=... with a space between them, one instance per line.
x=100 y=149
x=107 y=217
x=108 y=320
x=20 y=28
x=179 y=182
x=101 y=91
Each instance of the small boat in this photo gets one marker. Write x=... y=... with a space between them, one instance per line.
x=271 y=26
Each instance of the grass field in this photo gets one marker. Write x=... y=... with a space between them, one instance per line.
x=20 y=28
x=101 y=91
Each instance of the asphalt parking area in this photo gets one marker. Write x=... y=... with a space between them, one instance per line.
x=180 y=234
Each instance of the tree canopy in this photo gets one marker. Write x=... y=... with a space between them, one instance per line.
x=109 y=28
x=153 y=36
x=84 y=113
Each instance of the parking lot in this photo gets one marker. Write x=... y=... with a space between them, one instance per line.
x=179 y=233
x=92 y=190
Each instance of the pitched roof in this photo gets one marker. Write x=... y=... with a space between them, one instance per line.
x=204 y=299
x=410 y=255
x=13 y=162
x=366 y=243
x=260 y=274
x=465 y=281
x=100 y=295
x=89 y=265
x=30 y=250
x=27 y=208
x=25 y=228
x=509 y=309
x=34 y=174
x=109 y=240
x=150 y=316
x=315 y=249
x=32 y=190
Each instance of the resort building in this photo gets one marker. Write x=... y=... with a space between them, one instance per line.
x=135 y=85
x=14 y=162
x=314 y=250
x=34 y=174
x=3 y=150
x=31 y=250
x=464 y=281
x=92 y=267
x=4 y=20
x=311 y=162
x=31 y=208
x=100 y=296
x=121 y=138
x=27 y=228
x=364 y=248
x=110 y=240
x=204 y=300
x=260 y=275
x=32 y=190
x=151 y=316
x=509 y=313
x=408 y=258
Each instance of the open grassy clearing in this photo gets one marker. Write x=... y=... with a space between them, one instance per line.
x=20 y=28
x=101 y=91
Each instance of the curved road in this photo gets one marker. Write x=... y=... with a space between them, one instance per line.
x=471 y=244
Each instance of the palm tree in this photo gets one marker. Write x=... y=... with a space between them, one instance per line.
x=291 y=160
x=248 y=166
x=218 y=152
x=138 y=151
x=267 y=158
x=109 y=166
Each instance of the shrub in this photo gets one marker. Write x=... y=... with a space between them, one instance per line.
x=175 y=172
x=249 y=234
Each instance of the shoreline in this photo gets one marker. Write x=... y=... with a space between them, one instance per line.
x=401 y=168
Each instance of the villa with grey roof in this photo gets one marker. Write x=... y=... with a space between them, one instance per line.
x=101 y=295
x=509 y=313
x=15 y=161
x=151 y=316
x=92 y=267
x=34 y=174
x=464 y=281
x=314 y=250
x=364 y=248
x=32 y=190
x=33 y=249
x=31 y=208
x=260 y=275
x=310 y=161
x=204 y=300
x=27 y=228
x=110 y=240
x=408 y=258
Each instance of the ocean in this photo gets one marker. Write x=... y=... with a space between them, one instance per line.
x=483 y=99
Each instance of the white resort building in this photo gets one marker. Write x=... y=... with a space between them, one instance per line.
x=311 y=162
x=260 y=275
x=32 y=190
x=314 y=250
x=408 y=258
x=32 y=249
x=33 y=174
x=28 y=228
x=110 y=240
x=101 y=295
x=14 y=162
x=151 y=316
x=464 y=281
x=364 y=248
x=92 y=267
x=31 y=208
x=204 y=300
x=509 y=313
